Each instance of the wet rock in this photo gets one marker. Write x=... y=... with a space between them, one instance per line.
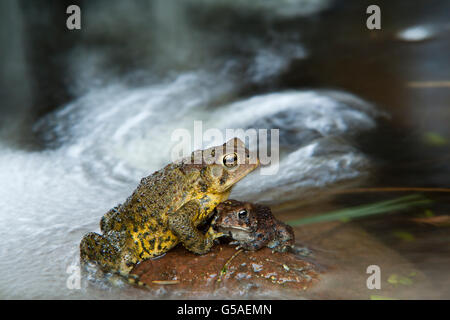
x=226 y=271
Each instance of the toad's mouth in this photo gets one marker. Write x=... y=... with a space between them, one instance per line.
x=237 y=233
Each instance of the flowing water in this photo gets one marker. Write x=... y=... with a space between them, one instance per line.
x=138 y=71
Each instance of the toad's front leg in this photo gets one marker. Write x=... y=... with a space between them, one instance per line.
x=181 y=224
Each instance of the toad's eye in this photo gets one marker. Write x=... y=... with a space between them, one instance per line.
x=242 y=214
x=230 y=160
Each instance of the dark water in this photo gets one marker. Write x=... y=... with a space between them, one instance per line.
x=380 y=67
x=200 y=58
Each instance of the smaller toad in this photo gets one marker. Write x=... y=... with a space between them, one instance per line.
x=252 y=226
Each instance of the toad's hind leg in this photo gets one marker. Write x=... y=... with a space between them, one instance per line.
x=108 y=221
x=96 y=249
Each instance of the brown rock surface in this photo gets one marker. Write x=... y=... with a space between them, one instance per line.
x=225 y=271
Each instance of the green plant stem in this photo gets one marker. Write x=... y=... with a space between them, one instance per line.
x=365 y=210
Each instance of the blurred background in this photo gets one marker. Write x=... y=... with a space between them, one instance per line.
x=363 y=117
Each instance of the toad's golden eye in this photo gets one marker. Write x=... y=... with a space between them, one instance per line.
x=230 y=160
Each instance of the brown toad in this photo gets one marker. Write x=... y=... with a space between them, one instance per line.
x=252 y=226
